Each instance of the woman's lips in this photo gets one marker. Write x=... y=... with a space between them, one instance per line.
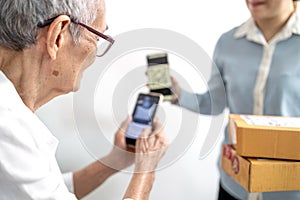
x=256 y=4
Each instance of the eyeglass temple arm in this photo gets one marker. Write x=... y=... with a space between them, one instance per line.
x=106 y=37
x=73 y=20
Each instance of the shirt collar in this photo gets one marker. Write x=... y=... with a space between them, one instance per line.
x=12 y=102
x=9 y=95
x=251 y=32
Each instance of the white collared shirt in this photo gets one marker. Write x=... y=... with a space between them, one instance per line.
x=28 y=168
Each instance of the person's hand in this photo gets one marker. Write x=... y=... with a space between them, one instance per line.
x=175 y=90
x=150 y=148
x=119 y=158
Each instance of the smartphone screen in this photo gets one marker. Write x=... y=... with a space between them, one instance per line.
x=142 y=117
x=158 y=74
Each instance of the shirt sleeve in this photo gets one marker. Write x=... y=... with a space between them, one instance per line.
x=213 y=101
x=68 y=178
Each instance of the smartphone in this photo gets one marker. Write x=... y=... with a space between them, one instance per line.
x=143 y=115
x=159 y=75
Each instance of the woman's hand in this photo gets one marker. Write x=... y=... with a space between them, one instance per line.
x=175 y=90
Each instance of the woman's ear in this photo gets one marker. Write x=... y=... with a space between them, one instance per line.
x=56 y=34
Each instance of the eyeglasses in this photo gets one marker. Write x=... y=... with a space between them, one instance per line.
x=104 y=41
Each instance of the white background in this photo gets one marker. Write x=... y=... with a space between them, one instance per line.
x=189 y=177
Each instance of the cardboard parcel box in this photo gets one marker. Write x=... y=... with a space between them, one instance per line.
x=265 y=136
x=261 y=175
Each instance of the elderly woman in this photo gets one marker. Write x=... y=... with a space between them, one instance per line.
x=44 y=48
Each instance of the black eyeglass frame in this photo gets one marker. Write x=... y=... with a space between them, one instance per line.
x=75 y=21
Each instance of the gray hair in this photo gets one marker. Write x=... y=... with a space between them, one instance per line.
x=19 y=18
